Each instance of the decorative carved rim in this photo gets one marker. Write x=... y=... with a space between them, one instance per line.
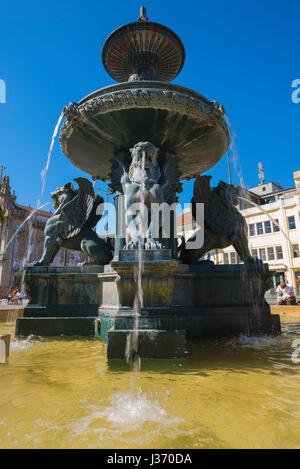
x=165 y=98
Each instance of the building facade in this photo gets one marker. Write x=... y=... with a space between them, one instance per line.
x=273 y=231
x=20 y=240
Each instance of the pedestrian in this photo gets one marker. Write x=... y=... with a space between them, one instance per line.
x=285 y=294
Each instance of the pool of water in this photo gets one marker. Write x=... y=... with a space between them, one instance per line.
x=229 y=393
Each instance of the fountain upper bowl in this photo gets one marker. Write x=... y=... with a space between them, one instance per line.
x=110 y=121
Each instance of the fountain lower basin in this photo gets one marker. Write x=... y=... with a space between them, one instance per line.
x=201 y=300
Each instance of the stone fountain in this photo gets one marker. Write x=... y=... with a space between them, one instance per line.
x=145 y=135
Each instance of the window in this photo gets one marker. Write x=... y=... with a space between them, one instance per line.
x=279 y=254
x=291 y=223
x=259 y=228
x=271 y=254
x=226 y=258
x=295 y=250
x=276 y=227
x=252 y=229
x=233 y=258
x=262 y=254
x=254 y=253
x=268 y=228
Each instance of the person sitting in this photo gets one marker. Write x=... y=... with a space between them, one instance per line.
x=285 y=294
x=10 y=295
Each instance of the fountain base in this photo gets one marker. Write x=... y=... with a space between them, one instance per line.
x=201 y=300
x=55 y=326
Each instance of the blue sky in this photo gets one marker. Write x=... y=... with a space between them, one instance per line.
x=243 y=54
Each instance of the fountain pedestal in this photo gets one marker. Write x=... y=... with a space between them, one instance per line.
x=200 y=300
x=157 y=278
x=119 y=293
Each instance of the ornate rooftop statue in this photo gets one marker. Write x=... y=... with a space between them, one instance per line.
x=261 y=173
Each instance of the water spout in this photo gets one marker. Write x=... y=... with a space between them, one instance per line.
x=27 y=256
x=45 y=170
x=237 y=166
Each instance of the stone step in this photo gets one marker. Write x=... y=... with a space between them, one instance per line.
x=151 y=343
x=54 y=326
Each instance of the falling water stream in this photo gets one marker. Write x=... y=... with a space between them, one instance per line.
x=251 y=282
x=131 y=352
x=237 y=166
x=43 y=181
x=13 y=314
x=32 y=213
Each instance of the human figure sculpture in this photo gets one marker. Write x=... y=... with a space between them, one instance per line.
x=144 y=183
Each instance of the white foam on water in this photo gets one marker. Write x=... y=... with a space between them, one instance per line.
x=257 y=341
x=22 y=344
x=125 y=413
x=129 y=409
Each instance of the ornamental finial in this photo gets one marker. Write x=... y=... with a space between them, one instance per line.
x=143 y=14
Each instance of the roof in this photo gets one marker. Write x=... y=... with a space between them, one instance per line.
x=185 y=219
x=42 y=213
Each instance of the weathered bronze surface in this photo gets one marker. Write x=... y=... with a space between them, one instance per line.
x=71 y=226
x=143 y=51
x=179 y=121
x=223 y=224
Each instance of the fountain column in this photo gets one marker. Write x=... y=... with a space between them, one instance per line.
x=120 y=224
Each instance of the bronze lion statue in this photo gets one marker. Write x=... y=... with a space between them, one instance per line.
x=71 y=226
x=223 y=224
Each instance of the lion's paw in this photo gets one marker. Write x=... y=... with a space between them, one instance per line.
x=132 y=245
x=152 y=244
